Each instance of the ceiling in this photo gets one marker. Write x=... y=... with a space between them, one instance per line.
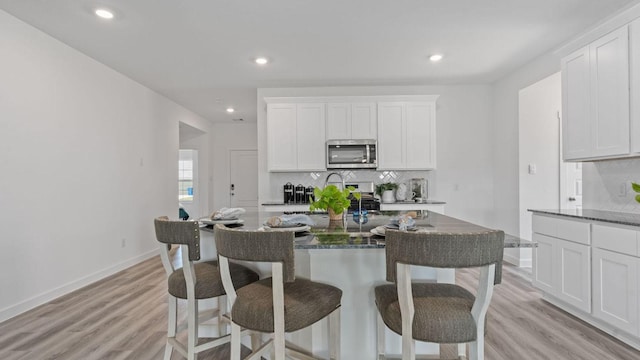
x=200 y=53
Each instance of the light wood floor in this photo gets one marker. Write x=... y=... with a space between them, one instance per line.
x=124 y=317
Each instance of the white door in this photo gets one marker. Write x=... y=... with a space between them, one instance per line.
x=571 y=191
x=243 y=171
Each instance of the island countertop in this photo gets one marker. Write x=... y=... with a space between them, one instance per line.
x=613 y=217
x=349 y=234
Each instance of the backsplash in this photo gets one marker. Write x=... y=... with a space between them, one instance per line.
x=607 y=185
x=350 y=176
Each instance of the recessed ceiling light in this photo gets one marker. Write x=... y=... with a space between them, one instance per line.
x=230 y=110
x=262 y=61
x=435 y=57
x=104 y=13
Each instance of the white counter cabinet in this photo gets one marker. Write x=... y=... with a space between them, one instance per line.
x=591 y=269
x=562 y=260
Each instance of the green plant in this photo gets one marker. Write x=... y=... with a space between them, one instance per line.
x=333 y=198
x=380 y=188
x=636 y=188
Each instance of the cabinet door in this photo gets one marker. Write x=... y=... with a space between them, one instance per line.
x=543 y=263
x=364 y=124
x=281 y=137
x=338 y=121
x=391 y=123
x=420 y=139
x=615 y=289
x=574 y=271
x=609 y=64
x=634 y=67
x=576 y=129
x=310 y=132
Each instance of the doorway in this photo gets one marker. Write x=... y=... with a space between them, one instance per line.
x=243 y=179
x=192 y=170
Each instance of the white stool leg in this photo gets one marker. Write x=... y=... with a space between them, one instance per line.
x=380 y=328
x=462 y=351
x=235 y=342
x=172 y=321
x=334 y=334
x=192 y=331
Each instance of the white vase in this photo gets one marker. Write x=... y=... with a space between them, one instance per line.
x=388 y=196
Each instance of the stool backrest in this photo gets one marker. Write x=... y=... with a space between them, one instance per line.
x=179 y=232
x=267 y=246
x=443 y=250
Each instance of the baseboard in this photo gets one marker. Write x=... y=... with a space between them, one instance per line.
x=17 y=309
x=517 y=261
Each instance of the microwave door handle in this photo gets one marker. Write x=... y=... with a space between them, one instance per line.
x=368 y=155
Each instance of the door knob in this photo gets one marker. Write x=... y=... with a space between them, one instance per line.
x=572 y=198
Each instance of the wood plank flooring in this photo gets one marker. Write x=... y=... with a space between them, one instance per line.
x=124 y=317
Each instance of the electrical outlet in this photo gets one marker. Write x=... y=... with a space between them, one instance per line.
x=622 y=189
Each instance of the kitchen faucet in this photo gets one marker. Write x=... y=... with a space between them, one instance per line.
x=339 y=175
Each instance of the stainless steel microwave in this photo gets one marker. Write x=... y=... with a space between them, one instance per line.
x=352 y=154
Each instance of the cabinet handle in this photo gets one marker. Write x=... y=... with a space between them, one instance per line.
x=572 y=198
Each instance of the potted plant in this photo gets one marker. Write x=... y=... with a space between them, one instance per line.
x=332 y=199
x=636 y=188
x=385 y=191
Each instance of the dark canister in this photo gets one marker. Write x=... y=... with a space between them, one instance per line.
x=308 y=195
x=300 y=194
x=289 y=196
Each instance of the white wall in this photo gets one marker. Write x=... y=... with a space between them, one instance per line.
x=88 y=157
x=226 y=137
x=539 y=146
x=464 y=177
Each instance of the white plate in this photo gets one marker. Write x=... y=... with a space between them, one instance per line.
x=292 y=228
x=222 y=221
x=378 y=231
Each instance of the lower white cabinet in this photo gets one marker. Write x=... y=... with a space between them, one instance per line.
x=592 y=270
x=562 y=269
x=615 y=289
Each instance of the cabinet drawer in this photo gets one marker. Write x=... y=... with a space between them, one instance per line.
x=572 y=230
x=618 y=239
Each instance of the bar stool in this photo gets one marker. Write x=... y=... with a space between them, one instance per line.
x=277 y=304
x=193 y=281
x=436 y=312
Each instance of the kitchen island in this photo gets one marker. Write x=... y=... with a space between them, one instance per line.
x=345 y=254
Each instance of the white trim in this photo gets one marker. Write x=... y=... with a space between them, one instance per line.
x=516 y=260
x=21 y=307
x=350 y=99
x=622 y=17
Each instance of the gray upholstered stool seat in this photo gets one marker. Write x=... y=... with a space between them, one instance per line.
x=208 y=283
x=305 y=302
x=443 y=312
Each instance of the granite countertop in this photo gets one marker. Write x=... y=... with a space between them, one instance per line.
x=434 y=202
x=349 y=234
x=614 y=217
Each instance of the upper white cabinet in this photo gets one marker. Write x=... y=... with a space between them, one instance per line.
x=634 y=43
x=407 y=135
x=595 y=92
x=351 y=121
x=295 y=137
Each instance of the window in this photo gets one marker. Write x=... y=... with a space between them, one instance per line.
x=185 y=176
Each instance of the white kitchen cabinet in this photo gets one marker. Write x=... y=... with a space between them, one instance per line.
x=595 y=93
x=406 y=136
x=574 y=271
x=295 y=137
x=562 y=260
x=349 y=121
x=616 y=276
x=634 y=67
x=615 y=289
